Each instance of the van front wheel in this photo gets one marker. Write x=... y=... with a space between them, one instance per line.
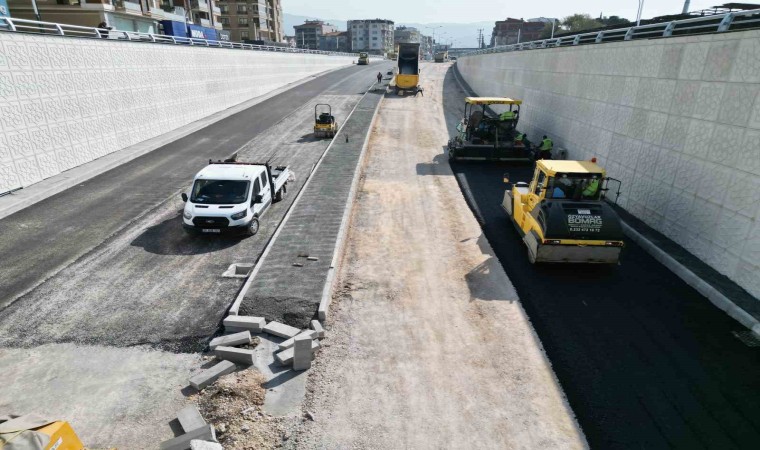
x=253 y=227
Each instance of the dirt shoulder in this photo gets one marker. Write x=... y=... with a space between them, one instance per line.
x=428 y=345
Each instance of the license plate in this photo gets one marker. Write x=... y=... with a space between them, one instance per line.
x=211 y=230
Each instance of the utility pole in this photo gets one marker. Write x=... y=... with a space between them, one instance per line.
x=480 y=38
x=686 y=7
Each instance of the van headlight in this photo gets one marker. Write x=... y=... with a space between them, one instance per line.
x=187 y=215
x=240 y=215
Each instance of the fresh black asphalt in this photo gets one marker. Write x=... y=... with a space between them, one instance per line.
x=645 y=360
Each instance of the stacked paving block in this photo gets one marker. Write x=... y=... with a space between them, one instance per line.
x=196 y=430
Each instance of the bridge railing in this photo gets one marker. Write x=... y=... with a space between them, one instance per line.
x=9 y=24
x=719 y=23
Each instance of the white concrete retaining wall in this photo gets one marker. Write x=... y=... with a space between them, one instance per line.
x=677 y=120
x=68 y=101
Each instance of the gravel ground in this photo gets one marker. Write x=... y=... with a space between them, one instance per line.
x=428 y=344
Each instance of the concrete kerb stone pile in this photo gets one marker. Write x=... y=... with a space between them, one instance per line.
x=198 y=435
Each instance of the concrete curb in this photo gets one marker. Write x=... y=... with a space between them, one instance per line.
x=704 y=288
x=241 y=295
x=324 y=303
x=48 y=187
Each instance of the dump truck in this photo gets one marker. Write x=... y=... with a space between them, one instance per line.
x=441 y=57
x=408 y=73
x=562 y=215
x=482 y=136
x=363 y=59
x=231 y=196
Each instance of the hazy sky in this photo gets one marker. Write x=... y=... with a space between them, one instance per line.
x=461 y=11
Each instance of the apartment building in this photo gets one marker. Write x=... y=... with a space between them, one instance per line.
x=507 y=32
x=308 y=34
x=372 y=36
x=129 y=15
x=336 y=41
x=253 y=20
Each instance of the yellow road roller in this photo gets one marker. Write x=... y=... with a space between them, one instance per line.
x=324 y=122
x=562 y=214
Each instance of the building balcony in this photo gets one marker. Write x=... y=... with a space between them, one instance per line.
x=196 y=5
x=205 y=23
x=103 y=5
x=216 y=10
x=218 y=26
x=176 y=14
x=128 y=7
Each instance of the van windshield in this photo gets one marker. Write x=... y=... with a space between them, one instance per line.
x=220 y=192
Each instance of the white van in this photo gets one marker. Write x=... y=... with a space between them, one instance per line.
x=230 y=196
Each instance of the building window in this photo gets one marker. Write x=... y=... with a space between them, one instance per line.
x=242 y=9
x=242 y=21
x=244 y=35
x=374 y=38
x=225 y=9
x=225 y=21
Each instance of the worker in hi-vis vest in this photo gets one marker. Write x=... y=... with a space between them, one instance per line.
x=545 y=150
x=591 y=189
x=508 y=115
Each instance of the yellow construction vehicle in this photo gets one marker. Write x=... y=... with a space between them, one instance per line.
x=33 y=432
x=562 y=215
x=481 y=136
x=324 y=122
x=408 y=76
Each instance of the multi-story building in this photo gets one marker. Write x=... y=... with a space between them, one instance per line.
x=336 y=41
x=512 y=31
x=127 y=15
x=372 y=36
x=309 y=33
x=290 y=40
x=253 y=20
x=404 y=34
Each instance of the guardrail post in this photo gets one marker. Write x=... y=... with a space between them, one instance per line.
x=629 y=34
x=725 y=24
x=174 y=40
x=599 y=37
x=669 y=29
x=577 y=40
x=60 y=29
x=152 y=37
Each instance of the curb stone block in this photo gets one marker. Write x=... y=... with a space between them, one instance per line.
x=289 y=343
x=236 y=355
x=208 y=376
x=285 y=357
x=231 y=340
x=197 y=444
x=317 y=326
x=182 y=442
x=302 y=352
x=190 y=418
x=281 y=330
x=244 y=323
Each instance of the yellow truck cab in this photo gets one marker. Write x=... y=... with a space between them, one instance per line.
x=562 y=216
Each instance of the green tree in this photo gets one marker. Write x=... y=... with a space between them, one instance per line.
x=580 y=22
x=546 y=33
x=614 y=20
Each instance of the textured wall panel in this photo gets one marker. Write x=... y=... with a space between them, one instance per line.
x=65 y=102
x=677 y=120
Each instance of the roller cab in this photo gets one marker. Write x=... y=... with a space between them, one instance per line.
x=562 y=214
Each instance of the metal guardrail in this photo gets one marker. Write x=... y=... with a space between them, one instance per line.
x=733 y=21
x=9 y=24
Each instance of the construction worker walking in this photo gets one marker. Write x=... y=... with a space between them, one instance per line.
x=545 y=150
x=379 y=78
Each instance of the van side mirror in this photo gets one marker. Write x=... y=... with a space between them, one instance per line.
x=257 y=199
x=506 y=177
x=184 y=197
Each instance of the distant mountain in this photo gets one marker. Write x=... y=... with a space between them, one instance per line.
x=462 y=34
